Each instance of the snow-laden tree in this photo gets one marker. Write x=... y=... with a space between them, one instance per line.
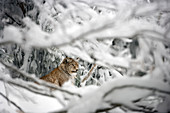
x=123 y=48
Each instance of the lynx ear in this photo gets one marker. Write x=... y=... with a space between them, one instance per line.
x=66 y=60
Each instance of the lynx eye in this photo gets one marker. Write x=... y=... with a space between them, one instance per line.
x=74 y=71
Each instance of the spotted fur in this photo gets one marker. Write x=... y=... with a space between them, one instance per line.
x=62 y=73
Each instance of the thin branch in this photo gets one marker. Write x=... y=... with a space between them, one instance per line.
x=33 y=90
x=131 y=108
x=114 y=105
x=13 y=103
x=13 y=19
x=97 y=81
x=89 y=73
x=6 y=90
x=19 y=84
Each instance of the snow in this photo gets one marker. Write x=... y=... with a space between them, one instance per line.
x=97 y=99
x=86 y=29
x=13 y=34
x=28 y=101
x=164 y=106
x=117 y=91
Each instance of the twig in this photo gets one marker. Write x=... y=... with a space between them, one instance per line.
x=89 y=73
x=13 y=103
x=6 y=90
x=138 y=109
x=97 y=81
x=19 y=84
x=13 y=19
x=28 y=87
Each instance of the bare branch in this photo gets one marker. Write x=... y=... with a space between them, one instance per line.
x=6 y=90
x=13 y=103
x=32 y=89
x=18 y=23
x=121 y=105
x=25 y=87
x=89 y=73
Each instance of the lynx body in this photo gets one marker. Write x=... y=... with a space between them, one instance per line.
x=64 y=72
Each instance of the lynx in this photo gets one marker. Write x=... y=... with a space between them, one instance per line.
x=64 y=72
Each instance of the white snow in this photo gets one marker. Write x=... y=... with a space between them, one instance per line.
x=81 y=30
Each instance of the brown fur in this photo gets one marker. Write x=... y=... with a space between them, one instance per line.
x=62 y=73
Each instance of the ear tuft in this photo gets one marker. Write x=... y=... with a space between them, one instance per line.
x=65 y=60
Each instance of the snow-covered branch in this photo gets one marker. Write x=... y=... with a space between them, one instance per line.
x=116 y=93
x=127 y=40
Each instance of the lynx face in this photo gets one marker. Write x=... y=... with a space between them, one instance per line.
x=70 y=66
